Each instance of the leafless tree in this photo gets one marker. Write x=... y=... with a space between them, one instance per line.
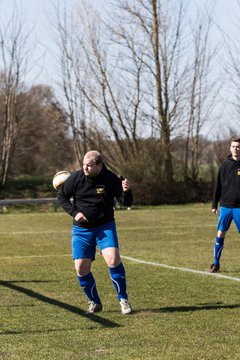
x=44 y=138
x=233 y=69
x=166 y=45
x=96 y=96
x=132 y=76
x=202 y=91
x=129 y=79
x=13 y=62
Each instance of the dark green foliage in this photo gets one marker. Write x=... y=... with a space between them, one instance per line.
x=152 y=193
x=32 y=187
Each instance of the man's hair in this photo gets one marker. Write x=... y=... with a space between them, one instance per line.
x=235 y=139
x=95 y=156
x=99 y=159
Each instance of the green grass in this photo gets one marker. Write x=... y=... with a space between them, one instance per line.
x=177 y=315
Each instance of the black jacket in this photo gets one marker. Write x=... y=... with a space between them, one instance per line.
x=93 y=196
x=227 y=188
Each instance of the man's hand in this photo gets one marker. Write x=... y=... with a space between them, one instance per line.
x=215 y=211
x=80 y=217
x=125 y=185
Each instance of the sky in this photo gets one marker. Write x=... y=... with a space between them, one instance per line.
x=37 y=13
x=37 y=16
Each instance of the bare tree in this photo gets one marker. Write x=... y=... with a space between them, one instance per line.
x=130 y=81
x=97 y=98
x=202 y=91
x=233 y=70
x=75 y=109
x=13 y=57
x=159 y=40
x=132 y=76
x=45 y=154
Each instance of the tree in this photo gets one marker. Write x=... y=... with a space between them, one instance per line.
x=233 y=84
x=108 y=74
x=43 y=138
x=134 y=77
x=13 y=61
x=202 y=90
x=96 y=101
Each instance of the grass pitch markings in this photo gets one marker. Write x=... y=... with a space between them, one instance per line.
x=151 y=263
x=119 y=228
x=139 y=261
x=33 y=232
x=33 y=256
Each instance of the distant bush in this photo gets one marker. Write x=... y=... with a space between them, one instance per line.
x=176 y=193
x=32 y=187
x=152 y=193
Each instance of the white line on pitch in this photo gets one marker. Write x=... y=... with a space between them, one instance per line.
x=29 y=232
x=151 y=263
x=180 y=268
x=128 y=228
x=33 y=256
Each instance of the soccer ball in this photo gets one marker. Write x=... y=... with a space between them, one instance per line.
x=59 y=178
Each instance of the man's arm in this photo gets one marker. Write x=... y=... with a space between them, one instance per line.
x=126 y=197
x=217 y=193
x=65 y=194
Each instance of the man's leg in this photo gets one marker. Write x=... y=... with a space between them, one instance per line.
x=107 y=242
x=218 y=246
x=118 y=277
x=83 y=248
x=88 y=284
x=224 y=222
x=236 y=218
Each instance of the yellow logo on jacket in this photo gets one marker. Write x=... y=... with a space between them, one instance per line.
x=238 y=172
x=100 y=190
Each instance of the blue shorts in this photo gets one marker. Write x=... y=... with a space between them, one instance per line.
x=226 y=216
x=84 y=241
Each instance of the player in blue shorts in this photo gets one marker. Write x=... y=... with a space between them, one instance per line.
x=88 y=196
x=227 y=192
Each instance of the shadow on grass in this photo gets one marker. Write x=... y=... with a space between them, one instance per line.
x=172 y=309
x=60 y=304
x=44 y=331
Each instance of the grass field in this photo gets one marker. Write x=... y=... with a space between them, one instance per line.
x=178 y=314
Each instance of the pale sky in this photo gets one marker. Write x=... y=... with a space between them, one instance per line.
x=37 y=15
x=38 y=12
x=43 y=70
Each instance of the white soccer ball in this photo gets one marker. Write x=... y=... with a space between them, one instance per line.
x=59 y=178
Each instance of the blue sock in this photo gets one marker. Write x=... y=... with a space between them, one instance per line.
x=119 y=280
x=218 y=250
x=88 y=285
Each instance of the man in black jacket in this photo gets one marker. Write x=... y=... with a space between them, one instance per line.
x=227 y=192
x=93 y=190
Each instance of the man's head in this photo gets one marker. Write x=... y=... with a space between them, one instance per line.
x=92 y=163
x=235 y=148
